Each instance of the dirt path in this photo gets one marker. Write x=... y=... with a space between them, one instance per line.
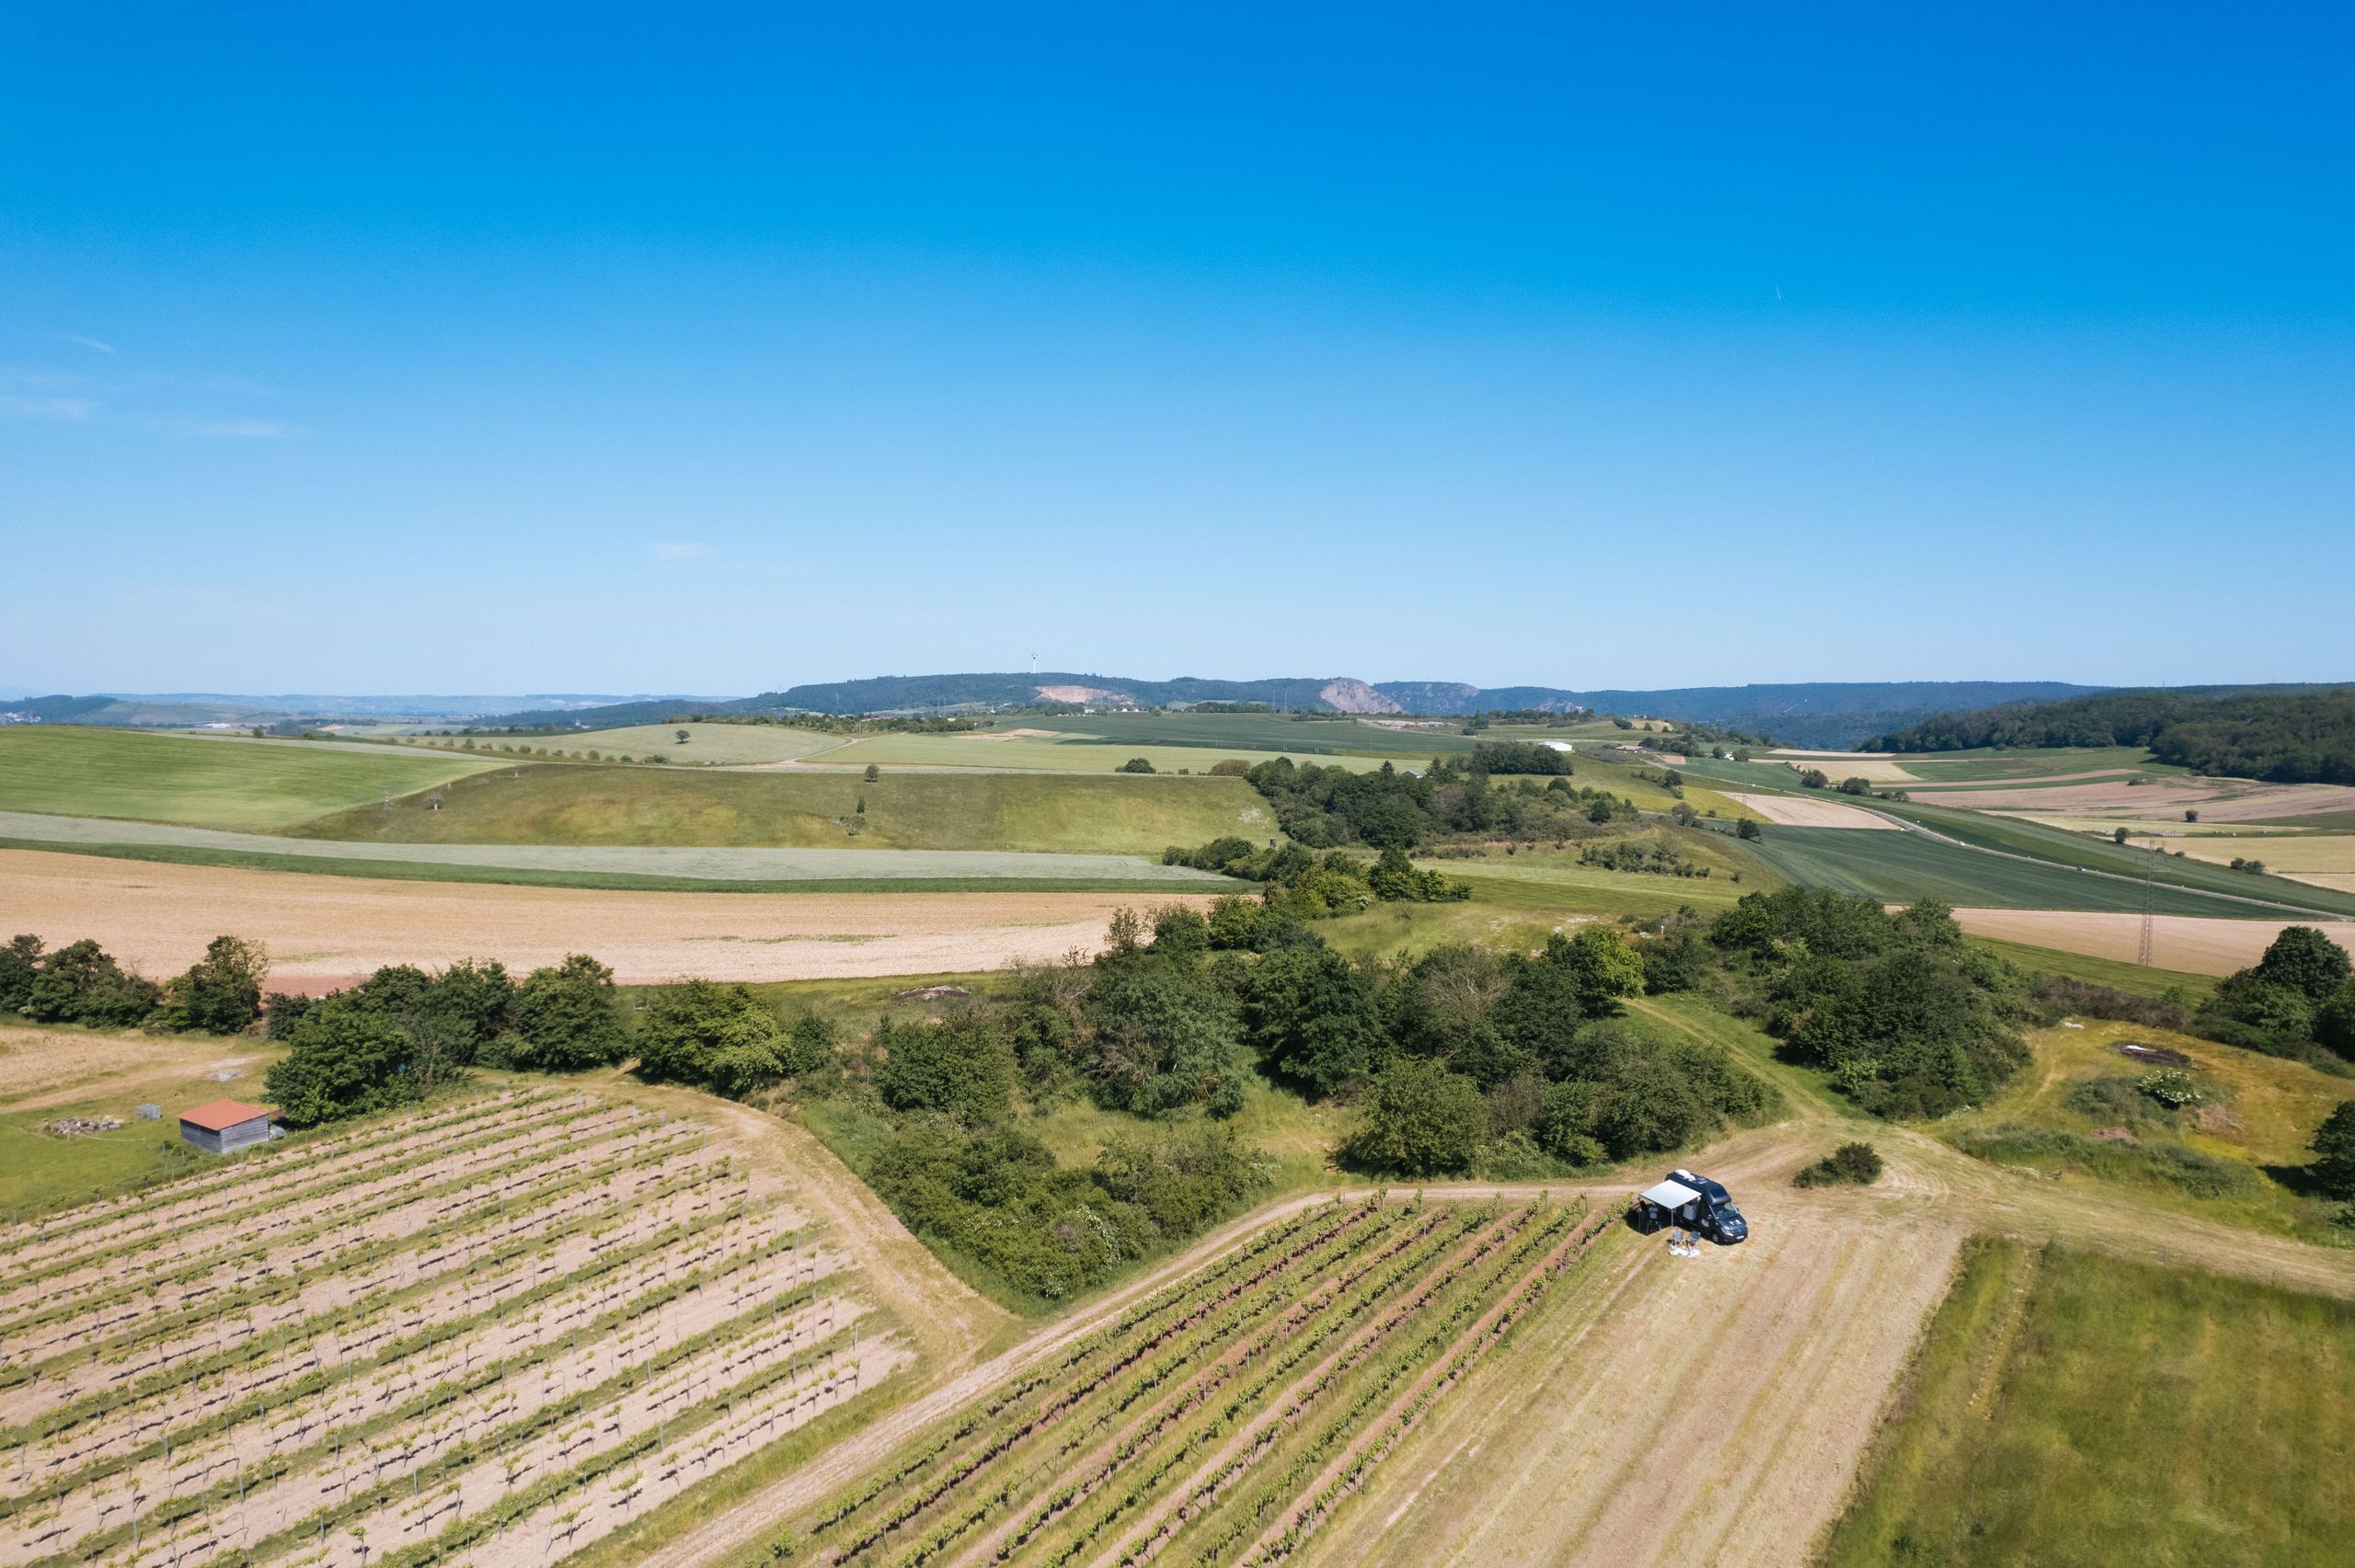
x=329 y=931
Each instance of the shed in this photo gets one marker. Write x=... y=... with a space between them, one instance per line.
x=223 y=1127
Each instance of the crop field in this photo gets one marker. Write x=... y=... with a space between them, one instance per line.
x=1230 y=1417
x=1043 y=754
x=166 y=778
x=2191 y=943
x=583 y=805
x=488 y=1333
x=2327 y=860
x=2068 y=1408
x=1900 y=866
x=1806 y=811
x=1275 y=734
x=721 y=743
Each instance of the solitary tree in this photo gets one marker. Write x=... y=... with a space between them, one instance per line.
x=873 y=772
x=1748 y=827
x=681 y=736
x=2333 y=1170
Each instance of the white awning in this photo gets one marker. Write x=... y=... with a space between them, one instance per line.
x=1671 y=1195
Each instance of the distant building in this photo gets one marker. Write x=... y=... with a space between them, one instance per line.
x=226 y=1126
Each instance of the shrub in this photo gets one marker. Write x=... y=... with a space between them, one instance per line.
x=1137 y=765
x=1419 y=1119
x=1855 y=1163
x=715 y=1036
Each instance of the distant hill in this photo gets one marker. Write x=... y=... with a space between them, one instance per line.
x=2288 y=734
x=1810 y=713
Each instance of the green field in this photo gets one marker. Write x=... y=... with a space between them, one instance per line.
x=209 y=783
x=2068 y=1409
x=1042 y=754
x=2015 y=836
x=1900 y=868
x=726 y=743
x=587 y=804
x=1277 y=734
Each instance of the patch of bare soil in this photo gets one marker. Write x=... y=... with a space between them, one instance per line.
x=327 y=930
x=2194 y=943
x=1793 y=811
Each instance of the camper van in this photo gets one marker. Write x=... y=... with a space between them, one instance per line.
x=1696 y=1202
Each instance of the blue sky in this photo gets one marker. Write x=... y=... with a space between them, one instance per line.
x=505 y=348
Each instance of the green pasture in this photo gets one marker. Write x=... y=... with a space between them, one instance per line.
x=586 y=804
x=212 y=783
x=2076 y=1410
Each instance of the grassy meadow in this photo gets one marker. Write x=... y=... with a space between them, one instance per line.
x=589 y=805
x=1034 y=754
x=732 y=744
x=2077 y=1115
x=164 y=778
x=2068 y=1409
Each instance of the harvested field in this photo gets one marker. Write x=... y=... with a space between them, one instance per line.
x=1858 y=768
x=2216 y=800
x=706 y=743
x=2200 y=946
x=323 y=930
x=1798 y=811
x=475 y=1334
x=1767 y=1365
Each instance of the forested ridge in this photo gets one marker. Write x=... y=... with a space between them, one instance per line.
x=2284 y=736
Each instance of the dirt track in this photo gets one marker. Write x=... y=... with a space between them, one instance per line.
x=2189 y=943
x=326 y=931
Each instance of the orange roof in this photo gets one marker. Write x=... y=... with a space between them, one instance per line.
x=222 y=1115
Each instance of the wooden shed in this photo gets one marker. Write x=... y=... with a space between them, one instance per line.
x=224 y=1126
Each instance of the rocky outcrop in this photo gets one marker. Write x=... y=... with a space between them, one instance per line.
x=1356 y=697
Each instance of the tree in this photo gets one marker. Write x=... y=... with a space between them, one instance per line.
x=2334 y=1146
x=1160 y=1041
x=2191 y=816
x=2118 y=835
x=1314 y=1018
x=81 y=983
x=1137 y=765
x=19 y=967
x=1419 y=1119
x=715 y=1036
x=345 y=1057
x=2334 y=1022
x=221 y=993
x=1748 y=829
x=872 y=773
x=1814 y=778
x=567 y=1018
x=963 y=1066
x=2303 y=959
x=680 y=738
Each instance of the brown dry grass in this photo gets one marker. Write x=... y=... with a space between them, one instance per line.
x=323 y=930
x=1797 y=811
x=2189 y=943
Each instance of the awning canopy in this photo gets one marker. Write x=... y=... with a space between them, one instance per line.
x=1671 y=1195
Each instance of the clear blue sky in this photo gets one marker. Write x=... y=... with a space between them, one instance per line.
x=675 y=347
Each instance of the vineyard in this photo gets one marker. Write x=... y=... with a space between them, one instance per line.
x=486 y=1334
x=1226 y=1419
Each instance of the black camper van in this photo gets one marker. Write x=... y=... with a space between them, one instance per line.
x=1696 y=1203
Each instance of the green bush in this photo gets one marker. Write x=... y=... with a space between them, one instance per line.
x=1856 y=1164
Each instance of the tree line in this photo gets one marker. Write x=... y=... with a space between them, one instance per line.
x=82 y=983
x=2282 y=737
